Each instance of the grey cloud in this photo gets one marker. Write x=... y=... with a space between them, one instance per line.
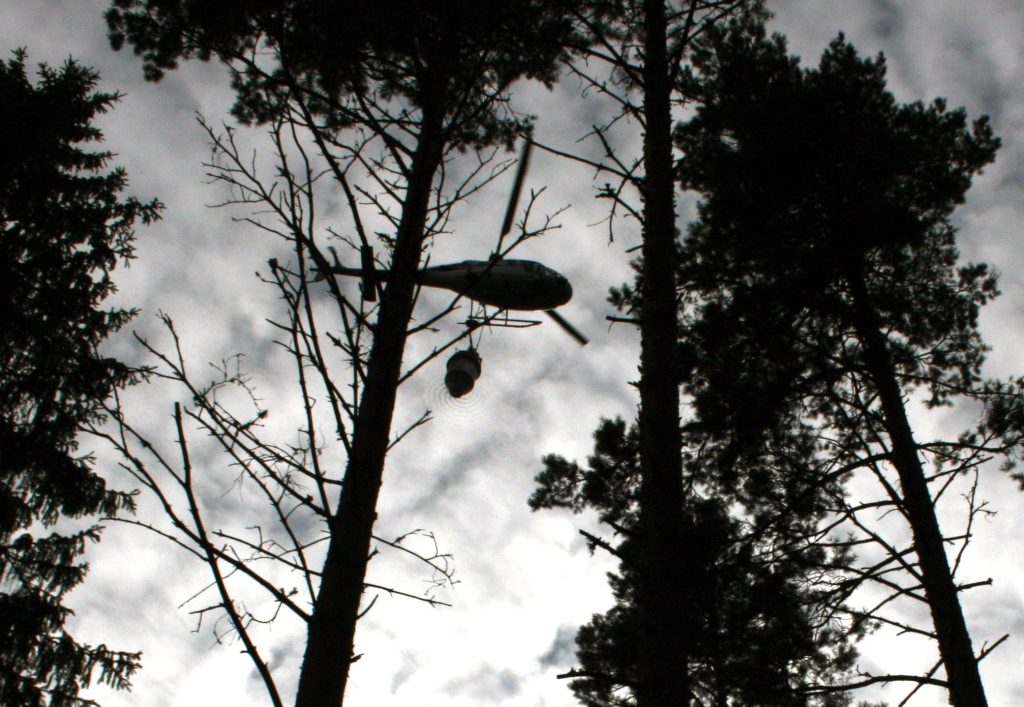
x=887 y=19
x=562 y=649
x=467 y=476
x=410 y=664
x=486 y=685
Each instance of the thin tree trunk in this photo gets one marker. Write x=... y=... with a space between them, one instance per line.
x=663 y=651
x=965 y=686
x=332 y=626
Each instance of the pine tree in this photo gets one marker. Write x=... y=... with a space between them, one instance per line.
x=827 y=273
x=643 y=44
x=64 y=231
x=819 y=286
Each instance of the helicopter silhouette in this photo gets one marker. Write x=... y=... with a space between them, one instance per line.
x=504 y=283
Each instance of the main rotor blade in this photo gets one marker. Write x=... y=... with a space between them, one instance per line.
x=517 y=186
x=569 y=328
x=369 y=284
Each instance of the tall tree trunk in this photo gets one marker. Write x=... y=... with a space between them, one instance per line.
x=661 y=603
x=965 y=686
x=332 y=626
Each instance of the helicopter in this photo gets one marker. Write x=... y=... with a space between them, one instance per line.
x=504 y=283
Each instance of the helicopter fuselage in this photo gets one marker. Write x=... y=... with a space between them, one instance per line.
x=506 y=284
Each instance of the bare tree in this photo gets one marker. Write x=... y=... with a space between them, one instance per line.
x=376 y=115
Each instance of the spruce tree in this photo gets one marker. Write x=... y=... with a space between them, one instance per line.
x=65 y=228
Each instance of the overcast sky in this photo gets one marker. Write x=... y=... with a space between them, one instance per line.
x=525 y=580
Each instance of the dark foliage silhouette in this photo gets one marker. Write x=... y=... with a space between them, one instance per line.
x=827 y=285
x=64 y=230
x=633 y=56
x=686 y=616
x=761 y=630
x=819 y=287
